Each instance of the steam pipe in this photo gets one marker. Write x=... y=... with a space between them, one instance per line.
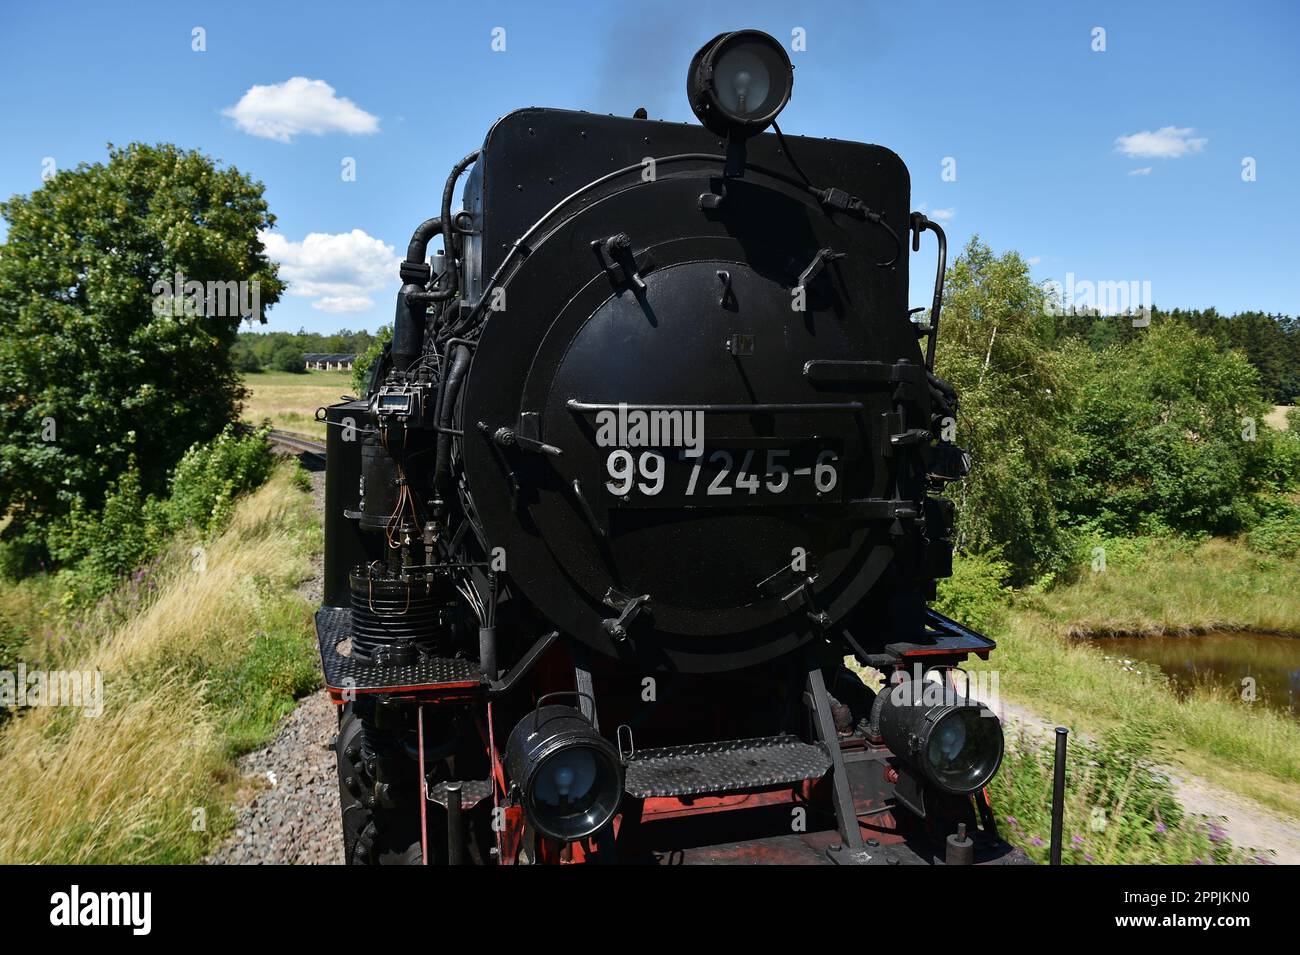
x=448 y=190
x=419 y=246
x=447 y=406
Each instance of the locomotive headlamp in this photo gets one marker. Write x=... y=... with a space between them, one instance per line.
x=955 y=742
x=568 y=775
x=739 y=82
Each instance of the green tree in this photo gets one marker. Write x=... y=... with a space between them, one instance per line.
x=288 y=358
x=92 y=373
x=367 y=358
x=1168 y=432
x=995 y=347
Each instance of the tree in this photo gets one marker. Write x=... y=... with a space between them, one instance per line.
x=995 y=347
x=288 y=358
x=1168 y=434
x=367 y=358
x=98 y=365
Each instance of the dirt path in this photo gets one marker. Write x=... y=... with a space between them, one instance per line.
x=1247 y=823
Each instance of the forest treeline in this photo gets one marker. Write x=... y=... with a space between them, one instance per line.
x=283 y=351
x=1085 y=427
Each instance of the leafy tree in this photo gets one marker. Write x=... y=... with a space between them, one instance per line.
x=995 y=347
x=288 y=358
x=92 y=375
x=361 y=369
x=1167 y=432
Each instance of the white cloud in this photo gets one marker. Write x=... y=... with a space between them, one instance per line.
x=1034 y=259
x=338 y=304
x=1167 y=142
x=1142 y=171
x=938 y=215
x=338 y=270
x=282 y=111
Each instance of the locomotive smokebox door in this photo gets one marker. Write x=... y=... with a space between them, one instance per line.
x=659 y=341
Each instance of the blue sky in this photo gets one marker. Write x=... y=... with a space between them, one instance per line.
x=1050 y=138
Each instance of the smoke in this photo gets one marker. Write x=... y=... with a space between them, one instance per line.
x=644 y=62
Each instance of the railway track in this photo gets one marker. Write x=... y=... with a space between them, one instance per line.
x=298 y=442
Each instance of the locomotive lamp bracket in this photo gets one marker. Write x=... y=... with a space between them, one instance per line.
x=618 y=260
x=814 y=268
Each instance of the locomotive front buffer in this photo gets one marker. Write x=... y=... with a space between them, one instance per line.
x=631 y=542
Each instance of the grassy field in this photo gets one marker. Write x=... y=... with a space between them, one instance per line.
x=1156 y=586
x=201 y=654
x=289 y=401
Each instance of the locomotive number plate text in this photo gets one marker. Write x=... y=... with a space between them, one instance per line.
x=722 y=477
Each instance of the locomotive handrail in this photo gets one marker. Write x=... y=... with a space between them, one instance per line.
x=919 y=224
x=519 y=247
x=588 y=407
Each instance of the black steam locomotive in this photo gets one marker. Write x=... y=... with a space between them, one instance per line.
x=648 y=464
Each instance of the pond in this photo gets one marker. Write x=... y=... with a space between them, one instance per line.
x=1221 y=659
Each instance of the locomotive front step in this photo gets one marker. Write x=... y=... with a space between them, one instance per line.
x=347 y=675
x=729 y=766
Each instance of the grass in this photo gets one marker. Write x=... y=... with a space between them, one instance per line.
x=1120 y=809
x=1169 y=586
x=198 y=666
x=289 y=400
x=1153 y=586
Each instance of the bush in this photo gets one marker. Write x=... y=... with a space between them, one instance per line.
x=211 y=476
x=288 y=359
x=976 y=594
x=1119 y=806
x=1158 y=437
x=98 y=547
x=1277 y=531
x=361 y=368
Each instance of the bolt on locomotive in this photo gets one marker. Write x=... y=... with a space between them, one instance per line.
x=647 y=480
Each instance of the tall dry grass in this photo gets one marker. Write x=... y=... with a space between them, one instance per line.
x=203 y=670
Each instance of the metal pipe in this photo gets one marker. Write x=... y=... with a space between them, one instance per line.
x=419 y=244
x=487 y=651
x=449 y=250
x=424 y=788
x=449 y=388
x=455 y=827
x=1058 y=794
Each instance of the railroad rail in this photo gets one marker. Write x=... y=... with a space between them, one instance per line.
x=298 y=442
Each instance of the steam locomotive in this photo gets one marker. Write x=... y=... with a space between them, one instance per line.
x=630 y=541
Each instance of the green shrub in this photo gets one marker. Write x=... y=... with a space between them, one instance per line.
x=361 y=368
x=1277 y=531
x=976 y=594
x=1120 y=807
x=288 y=359
x=211 y=476
x=98 y=547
